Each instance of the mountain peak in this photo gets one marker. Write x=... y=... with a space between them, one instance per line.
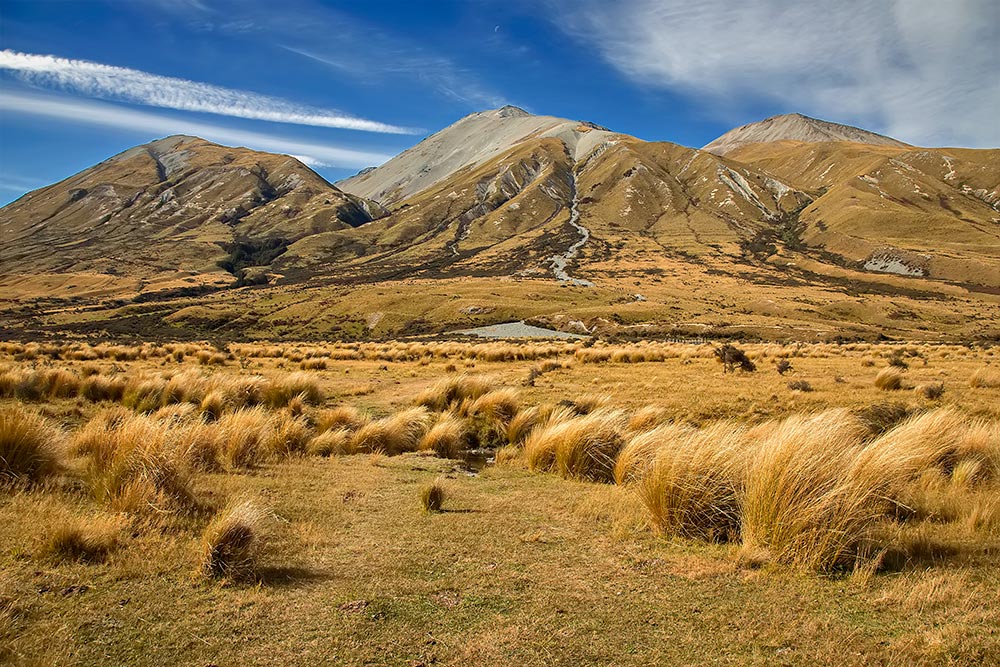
x=795 y=127
x=511 y=111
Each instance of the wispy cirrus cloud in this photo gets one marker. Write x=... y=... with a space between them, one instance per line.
x=73 y=110
x=135 y=86
x=921 y=70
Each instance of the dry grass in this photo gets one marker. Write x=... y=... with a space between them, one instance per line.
x=331 y=442
x=889 y=378
x=395 y=434
x=582 y=447
x=135 y=465
x=79 y=539
x=31 y=449
x=432 y=496
x=447 y=438
x=985 y=378
x=232 y=542
x=691 y=487
x=452 y=392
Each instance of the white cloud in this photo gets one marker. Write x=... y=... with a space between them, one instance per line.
x=96 y=113
x=924 y=71
x=129 y=85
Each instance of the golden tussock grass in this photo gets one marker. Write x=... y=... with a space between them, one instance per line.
x=432 y=496
x=447 y=438
x=331 y=442
x=582 y=447
x=31 y=449
x=690 y=488
x=889 y=378
x=283 y=389
x=451 y=392
x=341 y=417
x=636 y=457
x=794 y=503
x=232 y=543
x=985 y=378
x=134 y=465
x=243 y=437
x=394 y=434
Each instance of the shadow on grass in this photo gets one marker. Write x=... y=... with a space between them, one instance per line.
x=290 y=576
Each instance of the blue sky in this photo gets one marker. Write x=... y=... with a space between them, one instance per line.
x=347 y=84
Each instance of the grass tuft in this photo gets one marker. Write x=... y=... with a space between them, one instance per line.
x=231 y=543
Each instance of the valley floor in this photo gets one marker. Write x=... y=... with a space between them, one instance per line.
x=521 y=566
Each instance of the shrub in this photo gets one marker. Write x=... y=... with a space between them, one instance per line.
x=232 y=543
x=800 y=385
x=782 y=366
x=889 y=378
x=432 y=496
x=31 y=449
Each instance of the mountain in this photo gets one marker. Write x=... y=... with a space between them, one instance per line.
x=795 y=127
x=801 y=229
x=471 y=141
x=179 y=204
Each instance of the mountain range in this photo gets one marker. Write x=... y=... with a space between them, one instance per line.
x=790 y=227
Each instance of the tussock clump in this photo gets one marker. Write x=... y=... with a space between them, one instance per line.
x=31 y=449
x=89 y=437
x=341 y=417
x=451 y=392
x=280 y=391
x=932 y=391
x=144 y=395
x=244 y=437
x=880 y=417
x=290 y=437
x=636 y=457
x=985 y=378
x=315 y=364
x=690 y=489
x=889 y=378
x=134 y=465
x=97 y=388
x=432 y=496
x=332 y=442
x=521 y=425
x=213 y=405
x=647 y=418
x=492 y=413
x=85 y=540
x=395 y=434
x=447 y=438
x=232 y=542
x=800 y=385
x=583 y=447
x=795 y=504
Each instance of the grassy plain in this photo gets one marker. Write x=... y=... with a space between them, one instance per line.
x=346 y=565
